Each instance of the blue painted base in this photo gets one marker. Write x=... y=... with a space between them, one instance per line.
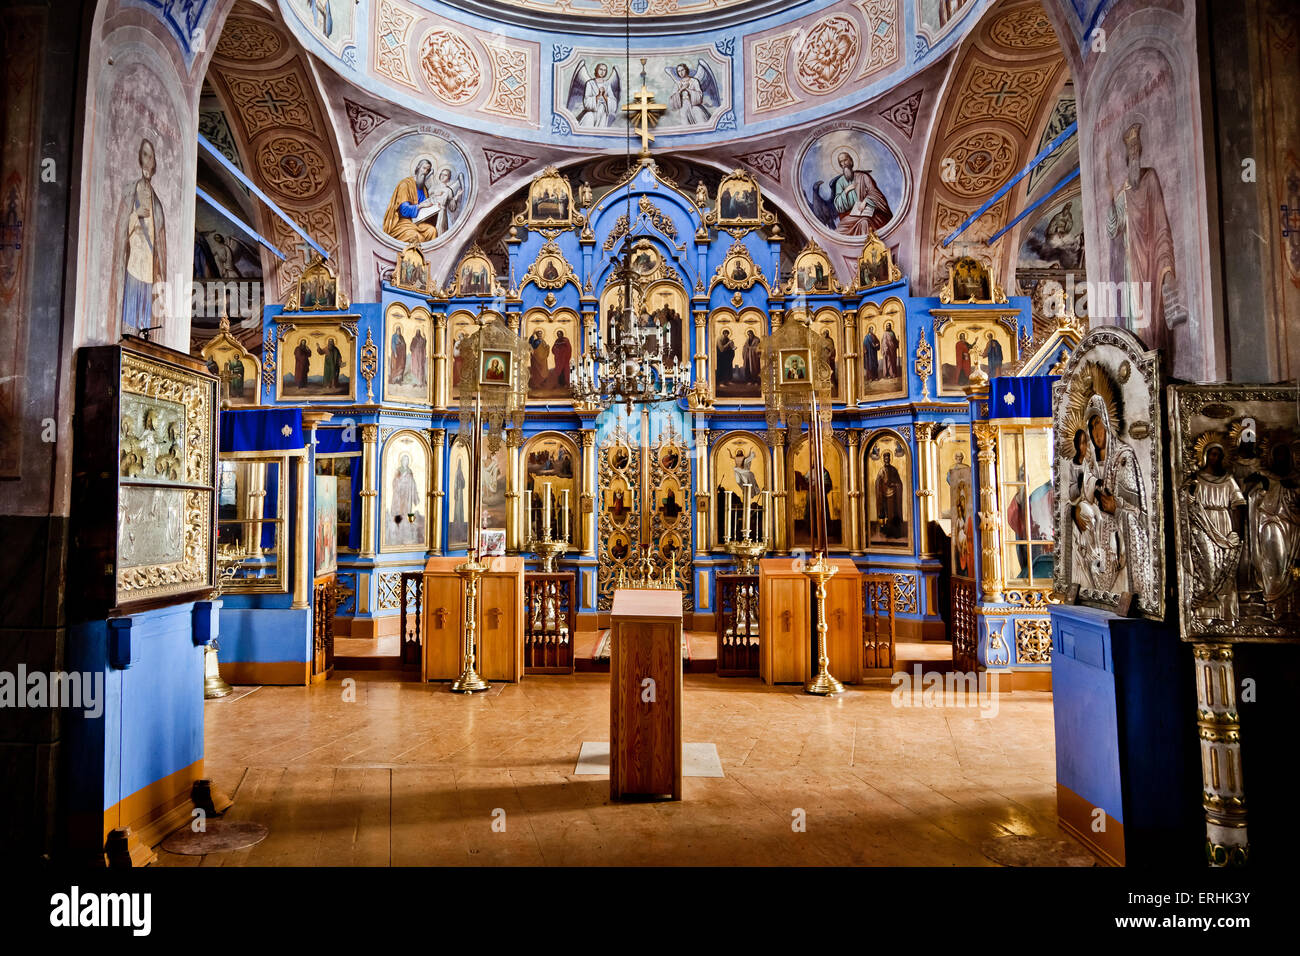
x=1125 y=714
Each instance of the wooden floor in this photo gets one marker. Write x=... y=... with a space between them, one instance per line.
x=410 y=774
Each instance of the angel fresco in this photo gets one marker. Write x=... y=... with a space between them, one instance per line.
x=694 y=92
x=594 y=97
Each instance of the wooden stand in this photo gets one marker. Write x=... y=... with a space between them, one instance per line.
x=784 y=615
x=645 y=694
x=500 y=619
x=786 y=627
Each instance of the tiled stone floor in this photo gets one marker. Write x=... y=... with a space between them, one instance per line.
x=410 y=774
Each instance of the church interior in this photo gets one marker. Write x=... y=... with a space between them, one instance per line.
x=649 y=432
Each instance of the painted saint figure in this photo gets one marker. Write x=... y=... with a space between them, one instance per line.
x=397 y=357
x=694 y=92
x=1274 y=525
x=871 y=354
x=962 y=355
x=407 y=216
x=992 y=355
x=861 y=206
x=141 y=228
x=726 y=356
x=333 y=365
x=889 y=500
x=889 y=352
x=419 y=358
x=1215 y=506
x=301 y=363
x=404 y=507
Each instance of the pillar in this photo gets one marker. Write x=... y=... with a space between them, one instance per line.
x=587 y=501
x=1223 y=792
x=849 y=367
x=782 y=542
x=514 y=496
x=927 y=483
x=437 y=493
x=855 y=540
x=441 y=368
x=705 y=502
x=701 y=355
x=369 y=482
x=986 y=437
x=303 y=554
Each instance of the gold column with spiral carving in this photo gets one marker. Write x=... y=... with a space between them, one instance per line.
x=927 y=482
x=438 y=439
x=441 y=370
x=1223 y=792
x=782 y=530
x=369 y=482
x=856 y=538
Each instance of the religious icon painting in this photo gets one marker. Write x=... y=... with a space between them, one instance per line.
x=883 y=327
x=962 y=534
x=740 y=201
x=1025 y=462
x=237 y=369
x=551 y=341
x=550 y=201
x=954 y=455
x=620 y=456
x=813 y=273
x=459 y=476
x=876 y=264
x=826 y=326
x=475 y=275
x=1107 y=469
x=801 y=494
x=889 y=493
x=404 y=494
x=551 y=469
x=326 y=525
x=969 y=281
x=740 y=471
x=550 y=270
x=737 y=353
x=670 y=502
x=317 y=290
x=670 y=547
x=646 y=259
x=618 y=501
x=406 y=355
x=494 y=368
x=1236 y=491
x=670 y=456
x=795 y=364
x=316 y=362
x=738 y=270
x=620 y=546
x=973 y=341
x=412 y=270
x=460 y=327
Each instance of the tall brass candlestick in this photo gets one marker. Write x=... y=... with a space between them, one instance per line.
x=469 y=681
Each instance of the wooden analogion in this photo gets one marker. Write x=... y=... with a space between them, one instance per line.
x=500 y=619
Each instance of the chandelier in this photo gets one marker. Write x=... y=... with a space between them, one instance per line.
x=634 y=364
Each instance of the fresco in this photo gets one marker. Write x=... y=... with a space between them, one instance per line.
x=694 y=84
x=1056 y=239
x=416 y=189
x=851 y=183
x=227 y=275
x=331 y=21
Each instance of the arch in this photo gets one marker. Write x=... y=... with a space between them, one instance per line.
x=552 y=457
x=408 y=355
x=406 y=483
x=887 y=492
x=727 y=476
x=799 y=496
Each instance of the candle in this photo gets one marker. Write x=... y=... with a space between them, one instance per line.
x=565 y=515
x=747 y=493
x=767 y=511
x=528 y=512
x=726 y=518
x=546 y=512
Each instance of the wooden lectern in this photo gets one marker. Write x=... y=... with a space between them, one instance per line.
x=500 y=619
x=645 y=719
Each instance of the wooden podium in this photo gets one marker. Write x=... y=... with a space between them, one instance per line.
x=786 y=606
x=645 y=720
x=500 y=654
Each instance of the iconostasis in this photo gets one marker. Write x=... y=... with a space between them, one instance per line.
x=672 y=486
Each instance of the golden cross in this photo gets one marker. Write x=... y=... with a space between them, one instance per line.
x=645 y=112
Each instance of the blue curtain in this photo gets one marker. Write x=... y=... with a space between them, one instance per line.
x=261 y=429
x=1029 y=397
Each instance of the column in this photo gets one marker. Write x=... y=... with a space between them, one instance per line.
x=437 y=494
x=441 y=368
x=927 y=483
x=514 y=497
x=855 y=540
x=782 y=542
x=701 y=355
x=849 y=368
x=990 y=515
x=369 y=482
x=705 y=504
x=1223 y=791
x=587 y=502
x=255 y=507
x=303 y=555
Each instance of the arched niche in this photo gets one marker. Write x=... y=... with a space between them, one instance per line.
x=553 y=338
x=800 y=499
x=408 y=336
x=406 y=481
x=887 y=485
x=552 y=458
x=739 y=460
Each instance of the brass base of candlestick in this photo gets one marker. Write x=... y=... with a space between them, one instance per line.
x=746 y=554
x=548 y=550
x=823 y=685
x=469 y=681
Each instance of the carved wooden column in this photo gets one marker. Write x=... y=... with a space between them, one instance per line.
x=587 y=501
x=986 y=436
x=777 y=314
x=779 y=492
x=927 y=482
x=442 y=385
x=369 y=482
x=1223 y=792
x=514 y=486
x=701 y=355
x=705 y=499
x=255 y=507
x=850 y=366
x=438 y=494
x=303 y=554
x=855 y=540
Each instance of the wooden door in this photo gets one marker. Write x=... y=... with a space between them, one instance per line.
x=784 y=631
x=498 y=623
x=844 y=625
x=442 y=626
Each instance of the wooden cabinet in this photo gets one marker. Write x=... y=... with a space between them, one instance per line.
x=645 y=719
x=783 y=613
x=844 y=622
x=500 y=619
x=787 y=605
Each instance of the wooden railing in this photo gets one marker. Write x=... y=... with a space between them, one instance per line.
x=411 y=595
x=879 y=599
x=965 y=633
x=736 y=623
x=324 y=605
x=550 y=619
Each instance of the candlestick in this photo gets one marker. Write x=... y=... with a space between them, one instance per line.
x=565 y=515
x=546 y=512
x=746 y=523
x=528 y=512
x=767 y=514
